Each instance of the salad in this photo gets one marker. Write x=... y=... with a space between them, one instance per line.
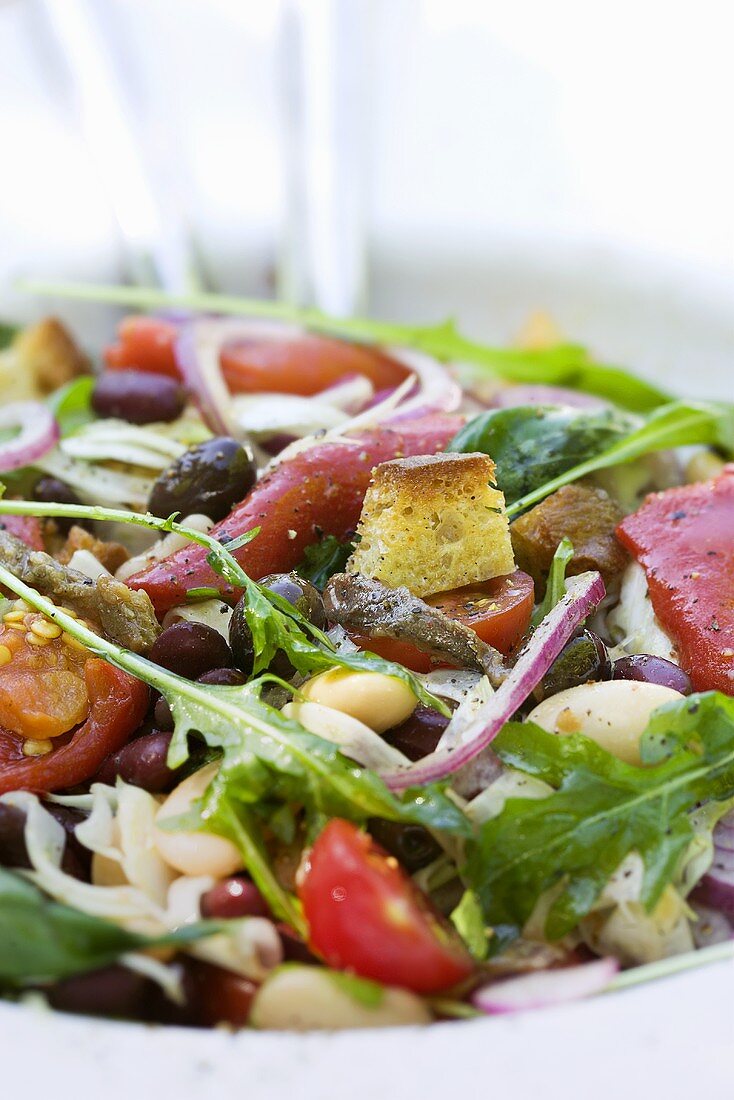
x=354 y=674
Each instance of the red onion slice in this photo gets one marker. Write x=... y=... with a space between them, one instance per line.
x=546 y=988
x=38 y=433
x=197 y=348
x=584 y=593
x=717 y=885
x=437 y=390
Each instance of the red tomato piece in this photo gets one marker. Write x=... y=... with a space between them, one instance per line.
x=392 y=649
x=684 y=540
x=366 y=915
x=117 y=706
x=144 y=343
x=317 y=492
x=497 y=610
x=304 y=365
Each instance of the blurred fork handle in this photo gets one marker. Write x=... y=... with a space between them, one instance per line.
x=155 y=240
x=323 y=259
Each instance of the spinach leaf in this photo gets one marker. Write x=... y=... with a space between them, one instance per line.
x=602 y=809
x=678 y=424
x=555 y=587
x=72 y=404
x=42 y=940
x=531 y=444
x=323 y=559
x=563 y=365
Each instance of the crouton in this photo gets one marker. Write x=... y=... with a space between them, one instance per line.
x=433 y=522
x=111 y=555
x=588 y=516
x=48 y=354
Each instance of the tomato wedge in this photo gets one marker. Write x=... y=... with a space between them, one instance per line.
x=117 y=703
x=319 y=491
x=302 y=364
x=497 y=610
x=366 y=915
x=684 y=540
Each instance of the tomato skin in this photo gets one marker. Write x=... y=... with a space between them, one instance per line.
x=118 y=703
x=684 y=540
x=366 y=915
x=303 y=364
x=144 y=343
x=392 y=649
x=497 y=610
x=319 y=491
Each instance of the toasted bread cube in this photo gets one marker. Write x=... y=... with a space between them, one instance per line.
x=433 y=522
x=48 y=354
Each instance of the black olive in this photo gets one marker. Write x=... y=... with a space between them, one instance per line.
x=412 y=845
x=582 y=659
x=209 y=478
x=301 y=594
x=51 y=490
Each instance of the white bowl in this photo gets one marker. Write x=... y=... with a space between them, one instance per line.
x=671 y=1038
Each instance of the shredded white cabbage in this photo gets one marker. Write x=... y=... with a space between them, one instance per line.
x=354 y=738
x=117 y=440
x=473 y=698
x=96 y=484
x=511 y=784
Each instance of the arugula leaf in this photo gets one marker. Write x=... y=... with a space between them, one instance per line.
x=468 y=920
x=323 y=559
x=42 y=940
x=275 y=623
x=602 y=809
x=72 y=404
x=267 y=758
x=678 y=424
x=563 y=365
x=555 y=587
x=532 y=444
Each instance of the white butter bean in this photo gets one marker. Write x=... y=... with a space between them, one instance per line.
x=378 y=701
x=195 y=853
x=614 y=713
x=305 y=998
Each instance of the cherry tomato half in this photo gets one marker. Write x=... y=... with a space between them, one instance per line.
x=392 y=649
x=144 y=343
x=498 y=610
x=366 y=915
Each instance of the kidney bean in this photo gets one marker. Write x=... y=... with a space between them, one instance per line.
x=111 y=991
x=234 y=897
x=142 y=763
x=51 y=490
x=419 y=734
x=76 y=859
x=652 y=670
x=215 y=996
x=137 y=396
x=294 y=949
x=191 y=649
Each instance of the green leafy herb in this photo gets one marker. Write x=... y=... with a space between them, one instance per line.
x=555 y=587
x=323 y=559
x=42 y=940
x=532 y=444
x=468 y=920
x=563 y=365
x=72 y=404
x=678 y=424
x=601 y=809
x=7 y=334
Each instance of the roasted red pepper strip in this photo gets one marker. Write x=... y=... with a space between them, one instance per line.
x=318 y=491
x=118 y=703
x=684 y=539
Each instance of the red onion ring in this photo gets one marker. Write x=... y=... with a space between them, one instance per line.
x=546 y=988
x=717 y=885
x=584 y=593
x=197 y=350
x=39 y=432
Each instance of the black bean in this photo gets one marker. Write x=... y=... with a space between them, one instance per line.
x=142 y=763
x=138 y=396
x=652 y=670
x=209 y=478
x=419 y=734
x=112 y=991
x=583 y=659
x=191 y=649
x=234 y=897
x=51 y=490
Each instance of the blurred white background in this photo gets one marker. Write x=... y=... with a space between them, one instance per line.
x=417 y=157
